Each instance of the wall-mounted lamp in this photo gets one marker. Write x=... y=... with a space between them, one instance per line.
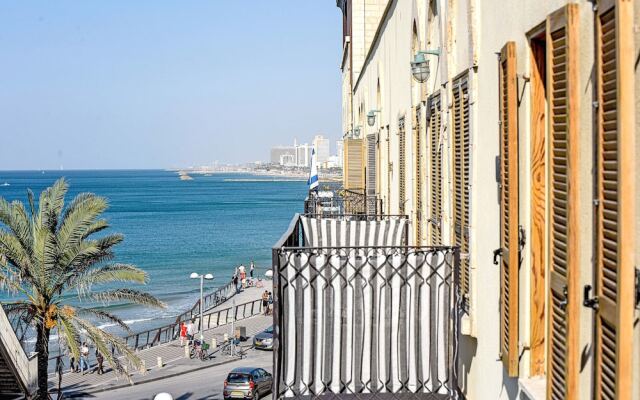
x=420 y=65
x=371 y=117
x=356 y=132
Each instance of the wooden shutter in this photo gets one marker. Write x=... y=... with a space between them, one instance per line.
x=509 y=209
x=435 y=170
x=353 y=164
x=418 y=170
x=371 y=174
x=461 y=175
x=402 y=171
x=615 y=214
x=564 y=297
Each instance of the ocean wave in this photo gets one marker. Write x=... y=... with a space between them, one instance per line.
x=128 y=322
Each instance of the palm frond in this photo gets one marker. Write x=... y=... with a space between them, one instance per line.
x=105 y=274
x=104 y=316
x=79 y=217
x=130 y=295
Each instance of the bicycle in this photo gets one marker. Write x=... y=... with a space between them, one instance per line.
x=225 y=350
x=199 y=350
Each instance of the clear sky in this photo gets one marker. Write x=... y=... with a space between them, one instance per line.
x=155 y=84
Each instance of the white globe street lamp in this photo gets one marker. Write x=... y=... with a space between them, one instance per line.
x=209 y=277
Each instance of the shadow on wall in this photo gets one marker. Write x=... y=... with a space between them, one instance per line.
x=468 y=348
x=509 y=385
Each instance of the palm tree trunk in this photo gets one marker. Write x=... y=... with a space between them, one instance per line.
x=42 y=347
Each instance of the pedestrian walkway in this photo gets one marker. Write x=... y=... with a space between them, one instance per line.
x=172 y=354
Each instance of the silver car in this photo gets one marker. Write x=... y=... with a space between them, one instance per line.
x=264 y=339
x=247 y=383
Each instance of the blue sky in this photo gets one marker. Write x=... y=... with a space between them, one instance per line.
x=155 y=84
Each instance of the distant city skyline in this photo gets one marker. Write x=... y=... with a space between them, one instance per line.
x=157 y=85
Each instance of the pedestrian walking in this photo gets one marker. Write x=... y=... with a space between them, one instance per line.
x=265 y=301
x=191 y=330
x=251 y=268
x=183 y=333
x=59 y=371
x=100 y=360
x=72 y=363
x=235 y=283
x=270 y=305
x=84 y=357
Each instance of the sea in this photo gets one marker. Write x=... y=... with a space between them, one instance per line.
x=174 y=227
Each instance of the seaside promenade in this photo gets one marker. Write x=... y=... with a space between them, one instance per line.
x=173 y=357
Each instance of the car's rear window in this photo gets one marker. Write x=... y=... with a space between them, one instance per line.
x=237 y=378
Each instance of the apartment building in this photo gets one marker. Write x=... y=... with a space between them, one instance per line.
x=510 y=129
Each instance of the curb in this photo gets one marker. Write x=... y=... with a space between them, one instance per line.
x=81 y=393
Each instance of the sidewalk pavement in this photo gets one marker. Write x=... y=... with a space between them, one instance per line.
x=173 y=360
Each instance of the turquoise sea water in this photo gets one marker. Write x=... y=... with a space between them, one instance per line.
x=173 y=227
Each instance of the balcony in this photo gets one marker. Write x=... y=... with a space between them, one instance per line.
x=340 y=202
x=359 y=314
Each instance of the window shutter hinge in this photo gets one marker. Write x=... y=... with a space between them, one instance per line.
x=522 y=237
x=591 y=302
x=595 y=105
x=637 y=287
x=596 y=202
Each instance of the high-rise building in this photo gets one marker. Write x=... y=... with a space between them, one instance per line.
x=283 y=155
x=323 y=148
x=340 y=152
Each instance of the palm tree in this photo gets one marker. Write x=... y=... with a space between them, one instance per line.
x=49 y=253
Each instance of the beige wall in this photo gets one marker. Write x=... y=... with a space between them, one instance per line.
x=469 y=34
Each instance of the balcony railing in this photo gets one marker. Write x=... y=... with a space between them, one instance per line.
x=379 y=321
x=341 y=202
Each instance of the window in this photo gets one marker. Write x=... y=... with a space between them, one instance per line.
x=564 y=263
x=615 y=193
x=461 y=176
x=435 y=170
x=509 y=195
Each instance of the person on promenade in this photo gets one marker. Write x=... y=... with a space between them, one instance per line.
x=72 y=363
x=183 y=333
x=251 y=268
x=265 y=301
x=59 y=371
x=100 y=360
x=243 y=279
x=191 y=330
x=270 y=306
x=84 y=357
x=235 y=283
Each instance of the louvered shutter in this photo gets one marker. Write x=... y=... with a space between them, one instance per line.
x=461 y=175
x=509 y=209
x=402 y=171
x=615 y=218
x=353 y=164
x=562 y=79
x=418 y=143
x=371 y=173
x=435 y=170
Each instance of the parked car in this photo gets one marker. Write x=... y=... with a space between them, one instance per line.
x=264 y=339
x=247 y=383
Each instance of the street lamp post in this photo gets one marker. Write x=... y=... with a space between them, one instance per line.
x=209 y=277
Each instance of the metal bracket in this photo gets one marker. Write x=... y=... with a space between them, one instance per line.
x=497 y=253
x=591 y=302
x=522 y=237
x=637 y=287
x=565 y=301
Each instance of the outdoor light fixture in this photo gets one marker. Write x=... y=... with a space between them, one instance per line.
x=371 y=117
x=195 y=275
x=420 y=65
x=356 y=132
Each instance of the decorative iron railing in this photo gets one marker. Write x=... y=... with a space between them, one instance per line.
x=365 y=322
x=341 y=202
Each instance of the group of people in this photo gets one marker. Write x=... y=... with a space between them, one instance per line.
x=267 y=302
x=187 y=331
x=240 y=277
x=83 y=365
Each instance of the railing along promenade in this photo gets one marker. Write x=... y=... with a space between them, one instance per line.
x=166 y=333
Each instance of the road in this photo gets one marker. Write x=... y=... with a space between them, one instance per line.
x=198 y=385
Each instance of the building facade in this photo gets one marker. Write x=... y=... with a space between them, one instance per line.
x=519 y=146
x=323 y=148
